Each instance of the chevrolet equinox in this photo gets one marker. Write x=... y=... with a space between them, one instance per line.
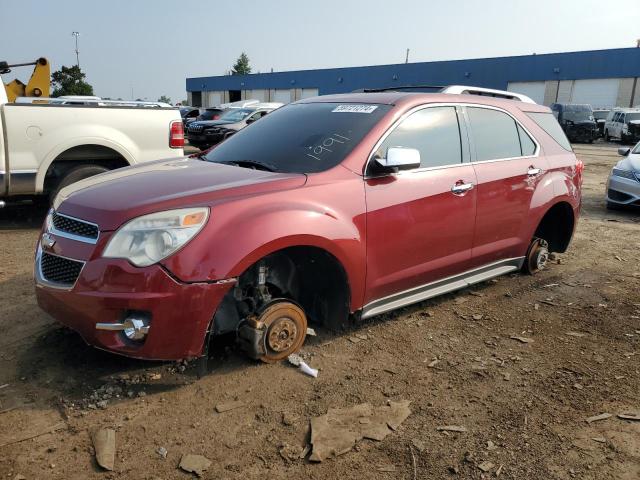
x=330 y=209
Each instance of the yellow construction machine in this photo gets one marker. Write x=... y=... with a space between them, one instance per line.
x=39 y=83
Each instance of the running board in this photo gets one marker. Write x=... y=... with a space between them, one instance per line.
x=440 y=287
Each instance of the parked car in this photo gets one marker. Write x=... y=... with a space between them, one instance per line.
x=205 y=134
x=187 y=112
x=576 y=120
x=623 y=184
x=600 y=116
x=47 y=144
x=330 y=209
x=623 y=124
x=212 y=113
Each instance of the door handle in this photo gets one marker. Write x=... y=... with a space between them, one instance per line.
x=461 y=188
x=533 y=171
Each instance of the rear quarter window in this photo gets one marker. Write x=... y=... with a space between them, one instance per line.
x=549 y=124
x=495 y=134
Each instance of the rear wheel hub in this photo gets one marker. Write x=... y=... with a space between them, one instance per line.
x=537 y=256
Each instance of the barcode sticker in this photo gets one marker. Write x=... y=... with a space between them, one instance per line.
x=354 y=108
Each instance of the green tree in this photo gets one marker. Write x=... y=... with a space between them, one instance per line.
x=70 y=81
x=241 y=66
x=164 y=99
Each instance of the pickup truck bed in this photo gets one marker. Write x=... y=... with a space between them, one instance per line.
x=44 y=145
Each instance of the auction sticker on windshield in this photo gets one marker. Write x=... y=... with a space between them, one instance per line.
x=354 y=108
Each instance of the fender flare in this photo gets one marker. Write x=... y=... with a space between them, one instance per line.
x=60 y=148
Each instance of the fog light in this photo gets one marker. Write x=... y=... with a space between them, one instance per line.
x=135 y=329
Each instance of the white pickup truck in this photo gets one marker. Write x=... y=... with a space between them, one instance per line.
x=46 y=145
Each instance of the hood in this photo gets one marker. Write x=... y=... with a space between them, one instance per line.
x=209 y=123
x=630 y=162
x=112 y=198
x=634 y=122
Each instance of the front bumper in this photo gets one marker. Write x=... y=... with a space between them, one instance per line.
x=623 y=191
x=108 y=290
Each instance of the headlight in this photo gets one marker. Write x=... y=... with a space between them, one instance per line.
x=148 y=239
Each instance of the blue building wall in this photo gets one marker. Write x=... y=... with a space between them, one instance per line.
x=482 y=72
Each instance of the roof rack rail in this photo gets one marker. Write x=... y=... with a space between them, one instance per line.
x=398 y=88
x=487 y=92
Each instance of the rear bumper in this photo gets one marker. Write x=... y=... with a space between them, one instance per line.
x=109 y=290
x=623 y=191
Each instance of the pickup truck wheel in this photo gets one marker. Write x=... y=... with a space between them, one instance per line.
x=537 y=256
x=75 y=175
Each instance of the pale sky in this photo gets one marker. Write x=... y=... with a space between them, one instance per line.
x=152 y=46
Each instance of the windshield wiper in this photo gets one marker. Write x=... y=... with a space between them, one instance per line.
x=252 y=164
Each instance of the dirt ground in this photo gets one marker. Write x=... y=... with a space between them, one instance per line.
x=524 y=405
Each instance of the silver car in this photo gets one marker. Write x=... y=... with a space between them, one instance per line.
x=623 y=185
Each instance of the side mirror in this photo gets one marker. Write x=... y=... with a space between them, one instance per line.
x=400 y=158
x=623 y=151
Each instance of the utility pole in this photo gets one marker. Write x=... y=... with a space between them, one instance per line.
x=77 y=34
x=406 y=60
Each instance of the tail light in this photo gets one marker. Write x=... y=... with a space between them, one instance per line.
x=176 y=134
x=579 y=170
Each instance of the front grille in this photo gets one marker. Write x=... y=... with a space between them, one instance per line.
x=59 y=270
x=73 y=226
x=195 y=128
x=618 y=172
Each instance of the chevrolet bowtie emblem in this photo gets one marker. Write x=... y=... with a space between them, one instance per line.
x=47 y=241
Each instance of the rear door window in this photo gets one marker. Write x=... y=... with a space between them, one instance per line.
x=433 y=131
x=549 y=124
x=494 y=133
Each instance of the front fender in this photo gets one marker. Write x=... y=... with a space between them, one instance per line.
x=239 y=234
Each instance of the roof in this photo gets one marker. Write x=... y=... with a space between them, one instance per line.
x=411 y=99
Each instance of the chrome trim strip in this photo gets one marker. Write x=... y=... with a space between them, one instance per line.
x=41 y=281
x=52 y=229
x=440 y=287
x=467 y=127
x=22 y=182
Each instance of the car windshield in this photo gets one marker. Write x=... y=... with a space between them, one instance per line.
x=236 y=114
x=301 y=138
x=632 y=116
x=600 y=114
x=578 y=113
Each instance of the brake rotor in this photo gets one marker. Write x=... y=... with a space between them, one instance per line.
x=285 y=330
x=537 y=256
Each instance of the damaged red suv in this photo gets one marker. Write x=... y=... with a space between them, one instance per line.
x=329 y=209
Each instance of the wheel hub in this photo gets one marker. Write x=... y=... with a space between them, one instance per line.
x=282 y=334
x=537 y=256
x=285 y=329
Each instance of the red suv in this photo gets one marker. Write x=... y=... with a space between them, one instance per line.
x=329 y=209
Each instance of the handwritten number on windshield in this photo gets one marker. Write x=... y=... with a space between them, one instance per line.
x=326 y=145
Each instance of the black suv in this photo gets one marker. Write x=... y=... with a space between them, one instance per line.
x=577 y=121
x=205 y=134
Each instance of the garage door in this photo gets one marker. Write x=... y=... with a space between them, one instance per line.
x=597 y=93
x=309 y=92
x=533 y=90
x=282 y=96
x=214 y=99
x=257 y=95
